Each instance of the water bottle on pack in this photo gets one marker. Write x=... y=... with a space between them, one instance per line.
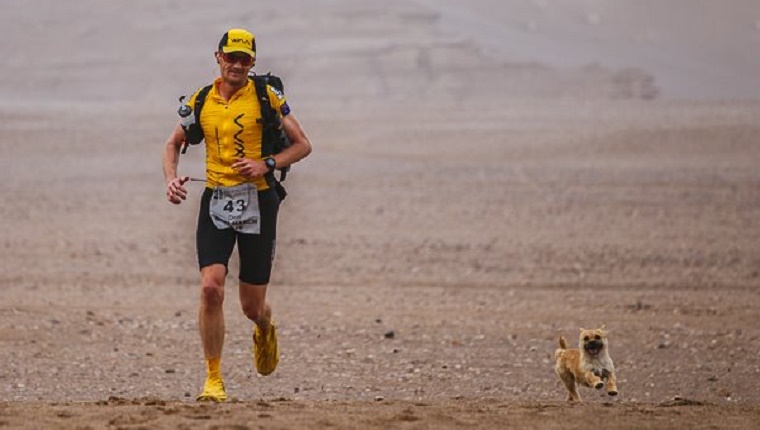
x=185 y=112
x=188 y=122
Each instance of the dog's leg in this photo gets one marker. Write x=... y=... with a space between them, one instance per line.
x=612 y=389
x=572 y=388
x=593 y=380
x=572 y=393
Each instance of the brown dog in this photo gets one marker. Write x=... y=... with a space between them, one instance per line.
x=588 y=365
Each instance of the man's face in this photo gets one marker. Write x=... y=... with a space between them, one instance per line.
x=234 y=67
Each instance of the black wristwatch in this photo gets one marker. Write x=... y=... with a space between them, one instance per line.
x=271 y=163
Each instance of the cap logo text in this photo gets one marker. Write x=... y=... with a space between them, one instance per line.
x=246 y=41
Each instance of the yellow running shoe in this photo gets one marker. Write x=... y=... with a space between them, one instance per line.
x=213 y=390
x=266 y=351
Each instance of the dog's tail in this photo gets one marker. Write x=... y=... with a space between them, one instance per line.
x=561 y=349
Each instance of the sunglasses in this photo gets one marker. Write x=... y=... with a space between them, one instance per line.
x=245 y=60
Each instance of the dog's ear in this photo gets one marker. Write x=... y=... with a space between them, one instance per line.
x=582 y=329
x=603 y=328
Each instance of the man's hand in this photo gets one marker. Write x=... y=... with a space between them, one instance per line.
x=251 y=169
x=175 y=192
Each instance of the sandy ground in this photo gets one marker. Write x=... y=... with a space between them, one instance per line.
x=464 y=207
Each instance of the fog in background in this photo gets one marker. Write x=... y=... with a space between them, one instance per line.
x=99 y=53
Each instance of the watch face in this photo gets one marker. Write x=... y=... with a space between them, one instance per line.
x=270 y=162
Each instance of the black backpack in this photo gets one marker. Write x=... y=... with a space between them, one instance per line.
x=273 y=139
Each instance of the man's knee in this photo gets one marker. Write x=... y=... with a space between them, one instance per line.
x=253 y=311
x=253 y=301
x=212 y=291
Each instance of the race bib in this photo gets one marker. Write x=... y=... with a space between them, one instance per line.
x=236 y=207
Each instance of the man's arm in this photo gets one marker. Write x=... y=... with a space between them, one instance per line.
x=175 y=192
x=300 y=146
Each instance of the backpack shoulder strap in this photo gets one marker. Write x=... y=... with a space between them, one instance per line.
x=273 y=138
x=268 y=115
x=200 y=101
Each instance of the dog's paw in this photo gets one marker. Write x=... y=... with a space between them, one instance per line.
x=599 y=385
x=612 y=393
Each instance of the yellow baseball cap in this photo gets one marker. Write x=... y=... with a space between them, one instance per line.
x=238 y=40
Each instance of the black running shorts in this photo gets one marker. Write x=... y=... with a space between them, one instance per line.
x=256 y=251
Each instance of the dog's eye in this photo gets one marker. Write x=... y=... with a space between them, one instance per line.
x=585 y=338
x=597 y=337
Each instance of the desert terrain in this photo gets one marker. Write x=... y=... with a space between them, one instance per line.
x=485 y=178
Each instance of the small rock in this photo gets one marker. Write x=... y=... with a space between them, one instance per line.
x=379 y=398
x=390 y=334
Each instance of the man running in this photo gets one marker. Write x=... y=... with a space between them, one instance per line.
x=240 y=202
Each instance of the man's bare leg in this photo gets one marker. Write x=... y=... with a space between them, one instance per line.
x=265 y=347
x=211 y=324
x=253 y=300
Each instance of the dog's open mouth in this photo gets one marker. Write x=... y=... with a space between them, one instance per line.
x=593 y=348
